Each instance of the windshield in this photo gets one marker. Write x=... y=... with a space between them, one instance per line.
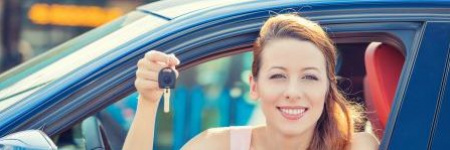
x=25 y=79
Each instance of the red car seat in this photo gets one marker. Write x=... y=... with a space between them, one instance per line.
x=383 y=67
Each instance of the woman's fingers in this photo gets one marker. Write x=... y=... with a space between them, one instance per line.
x=147 y=75
x=146 y=84
x=148 y=71
x=157 y=56
x=173 y=61
x=145 y=64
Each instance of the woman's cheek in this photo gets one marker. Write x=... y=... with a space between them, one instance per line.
x=317 y=96
x=315 y=89
x=271 y=91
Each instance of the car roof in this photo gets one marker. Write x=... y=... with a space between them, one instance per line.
x=170 y=9
x=174 y=8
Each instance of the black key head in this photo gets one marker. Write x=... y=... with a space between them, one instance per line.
x=166 y=78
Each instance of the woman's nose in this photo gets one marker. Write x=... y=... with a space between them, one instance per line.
x=293 y=91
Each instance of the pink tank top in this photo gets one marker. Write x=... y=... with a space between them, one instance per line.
x=240 y=137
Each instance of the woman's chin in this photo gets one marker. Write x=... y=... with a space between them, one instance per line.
x=292 y=129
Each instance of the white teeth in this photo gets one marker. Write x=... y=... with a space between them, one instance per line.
x=293 y=111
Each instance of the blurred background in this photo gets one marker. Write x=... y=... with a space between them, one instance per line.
x=32 y=27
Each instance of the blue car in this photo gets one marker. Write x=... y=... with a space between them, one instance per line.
x=394 y=59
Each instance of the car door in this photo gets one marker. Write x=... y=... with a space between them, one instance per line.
x=432 y=97
x=441 y=131
x=414 y=113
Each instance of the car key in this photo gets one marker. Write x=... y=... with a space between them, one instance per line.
x=166 y=81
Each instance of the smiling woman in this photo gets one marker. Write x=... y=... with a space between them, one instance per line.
x=292 y=78
x=298 y=93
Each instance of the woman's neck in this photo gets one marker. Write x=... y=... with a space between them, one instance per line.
x=265 y=137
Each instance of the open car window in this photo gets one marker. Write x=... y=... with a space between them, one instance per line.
x=216 y=94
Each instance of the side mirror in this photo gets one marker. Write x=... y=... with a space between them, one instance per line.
x=29 y=139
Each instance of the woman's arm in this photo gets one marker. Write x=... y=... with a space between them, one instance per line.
x=141 y=132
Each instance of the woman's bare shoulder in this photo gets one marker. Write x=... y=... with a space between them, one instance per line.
x=364 y=140
x=214 y=138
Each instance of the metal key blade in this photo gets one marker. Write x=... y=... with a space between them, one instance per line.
x=166 y=100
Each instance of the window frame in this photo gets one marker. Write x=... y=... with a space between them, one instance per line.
x=402 y=38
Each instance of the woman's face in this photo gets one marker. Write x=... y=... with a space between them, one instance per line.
x=291 y=85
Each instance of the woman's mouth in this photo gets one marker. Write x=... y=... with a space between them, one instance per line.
x=292 y=112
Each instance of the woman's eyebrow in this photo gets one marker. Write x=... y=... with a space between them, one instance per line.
x=311 y=68
x=303 y=69
x=278 y=67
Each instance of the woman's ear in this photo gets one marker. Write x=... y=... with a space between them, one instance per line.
x=254 y=93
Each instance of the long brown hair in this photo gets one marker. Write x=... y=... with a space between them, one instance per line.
x=335 y=126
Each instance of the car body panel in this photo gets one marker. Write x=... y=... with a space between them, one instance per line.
x=418 y=101
x=441 y=130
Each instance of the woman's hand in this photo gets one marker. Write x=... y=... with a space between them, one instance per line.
x=140 y=135
x=147 y=74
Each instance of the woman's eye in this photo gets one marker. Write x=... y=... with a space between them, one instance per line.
x=277 y=76
x=310 y=77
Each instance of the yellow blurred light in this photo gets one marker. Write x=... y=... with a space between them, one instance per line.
x=72 y=15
